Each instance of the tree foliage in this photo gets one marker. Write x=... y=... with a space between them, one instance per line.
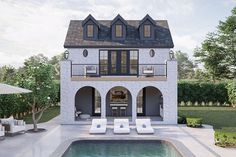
x=37 y=74
x=185 y=65
x=218 y=50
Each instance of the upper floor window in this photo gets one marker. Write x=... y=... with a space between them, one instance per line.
x=147 y=31
x=133 y=62
x=90 y=31
x=118 y=31
x=103 y=62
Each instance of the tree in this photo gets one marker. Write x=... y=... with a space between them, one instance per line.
x=218 y=50
x=227 y=37
x=201 y=74
x=54 y=61
x=38 y=78
x=185 y=65
x=212 y=54
x=7 y=74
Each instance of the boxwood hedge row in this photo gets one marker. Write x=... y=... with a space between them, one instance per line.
x=191 y=91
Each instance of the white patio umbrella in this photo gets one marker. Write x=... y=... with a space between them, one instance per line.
x=8 y=89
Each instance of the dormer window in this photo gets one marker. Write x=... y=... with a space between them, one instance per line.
x=147 y=31
x=147 y=28
x=90 y=31
x=118 y=28
x=90 y=28
x=118 y=31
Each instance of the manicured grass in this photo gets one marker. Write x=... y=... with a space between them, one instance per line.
x=47 y=115
x=219 y=117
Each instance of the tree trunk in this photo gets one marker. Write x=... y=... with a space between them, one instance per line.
x=36 y=111
x=33 y=116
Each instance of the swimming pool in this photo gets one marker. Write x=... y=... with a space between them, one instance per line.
x=121 y=148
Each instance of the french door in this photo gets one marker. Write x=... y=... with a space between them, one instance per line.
x=118 y=62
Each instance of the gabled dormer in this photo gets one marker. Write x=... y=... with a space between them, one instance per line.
x=147 y=28
x=90 y=28
x=118 y=28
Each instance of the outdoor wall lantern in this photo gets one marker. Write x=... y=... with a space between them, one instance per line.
x=172 y=55
x=85 y=53
x=152 y=53
x=66 y=54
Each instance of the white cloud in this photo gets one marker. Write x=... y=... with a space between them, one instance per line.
x=186 y=43
x=31 y=27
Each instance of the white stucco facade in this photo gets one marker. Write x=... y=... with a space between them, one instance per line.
x=168 y=87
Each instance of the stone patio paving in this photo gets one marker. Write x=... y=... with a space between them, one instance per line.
x=199 y=141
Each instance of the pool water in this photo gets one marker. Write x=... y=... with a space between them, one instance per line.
x=121 y=149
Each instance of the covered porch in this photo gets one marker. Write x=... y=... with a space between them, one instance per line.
x=119 y=103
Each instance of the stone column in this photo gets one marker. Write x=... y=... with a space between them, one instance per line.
x=67 y=108
x=170 y=95
x=103 y=105
x=134 y=106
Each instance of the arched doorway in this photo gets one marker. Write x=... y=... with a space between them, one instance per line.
x=150 y=102
x=87 y=103
x=118 y=102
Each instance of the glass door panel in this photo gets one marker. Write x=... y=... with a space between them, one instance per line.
x=113 y=62
x=123 y=62
x=119 y=62
x=133 y=62
x=103 y=62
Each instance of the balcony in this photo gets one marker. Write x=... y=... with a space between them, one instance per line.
x=98 y=72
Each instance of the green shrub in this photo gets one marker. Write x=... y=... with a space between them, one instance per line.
x=194 y=122
x=194 y=91
x=181 y=120
x=203 y=104
x=232 y=92
x=210 y=104
x=196 y=104
x=182 y=103
x=225 y=137
x=189 y=103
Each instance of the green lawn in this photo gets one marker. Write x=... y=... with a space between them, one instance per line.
x=217 y=116
x=47 y=115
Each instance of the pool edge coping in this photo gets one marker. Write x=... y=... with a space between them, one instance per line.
x=179 y=146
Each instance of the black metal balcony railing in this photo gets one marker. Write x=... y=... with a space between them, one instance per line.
x=98 y=70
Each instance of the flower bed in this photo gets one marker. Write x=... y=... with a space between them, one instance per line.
x=225 y=137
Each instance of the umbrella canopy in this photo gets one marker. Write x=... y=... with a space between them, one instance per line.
x=8 y=89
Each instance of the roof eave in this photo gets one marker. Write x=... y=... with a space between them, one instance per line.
x=117 y=46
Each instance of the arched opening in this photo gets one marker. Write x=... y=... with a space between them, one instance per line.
x=118 y=102
x=150 y=103
x=87 y=103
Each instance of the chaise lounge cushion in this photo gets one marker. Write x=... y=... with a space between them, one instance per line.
x=143 y=126
x=121 y=126
x=98 y=126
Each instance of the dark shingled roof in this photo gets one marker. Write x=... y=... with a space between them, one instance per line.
x=74 y=37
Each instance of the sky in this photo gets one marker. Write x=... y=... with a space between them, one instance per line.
x=30 y=27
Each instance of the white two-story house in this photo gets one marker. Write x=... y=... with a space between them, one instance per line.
x=118 y=68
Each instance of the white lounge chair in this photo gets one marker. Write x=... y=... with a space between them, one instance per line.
x=2 y=132
x=99 y=126
x=121 y=126
x=143 y=126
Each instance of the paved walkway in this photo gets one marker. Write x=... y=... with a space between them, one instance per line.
x=199 y=141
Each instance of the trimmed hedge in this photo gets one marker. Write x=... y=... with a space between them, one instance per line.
x=181 y=120
x=225 y=137
x=193 y=91
x=194 y=122
x=232 y=92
